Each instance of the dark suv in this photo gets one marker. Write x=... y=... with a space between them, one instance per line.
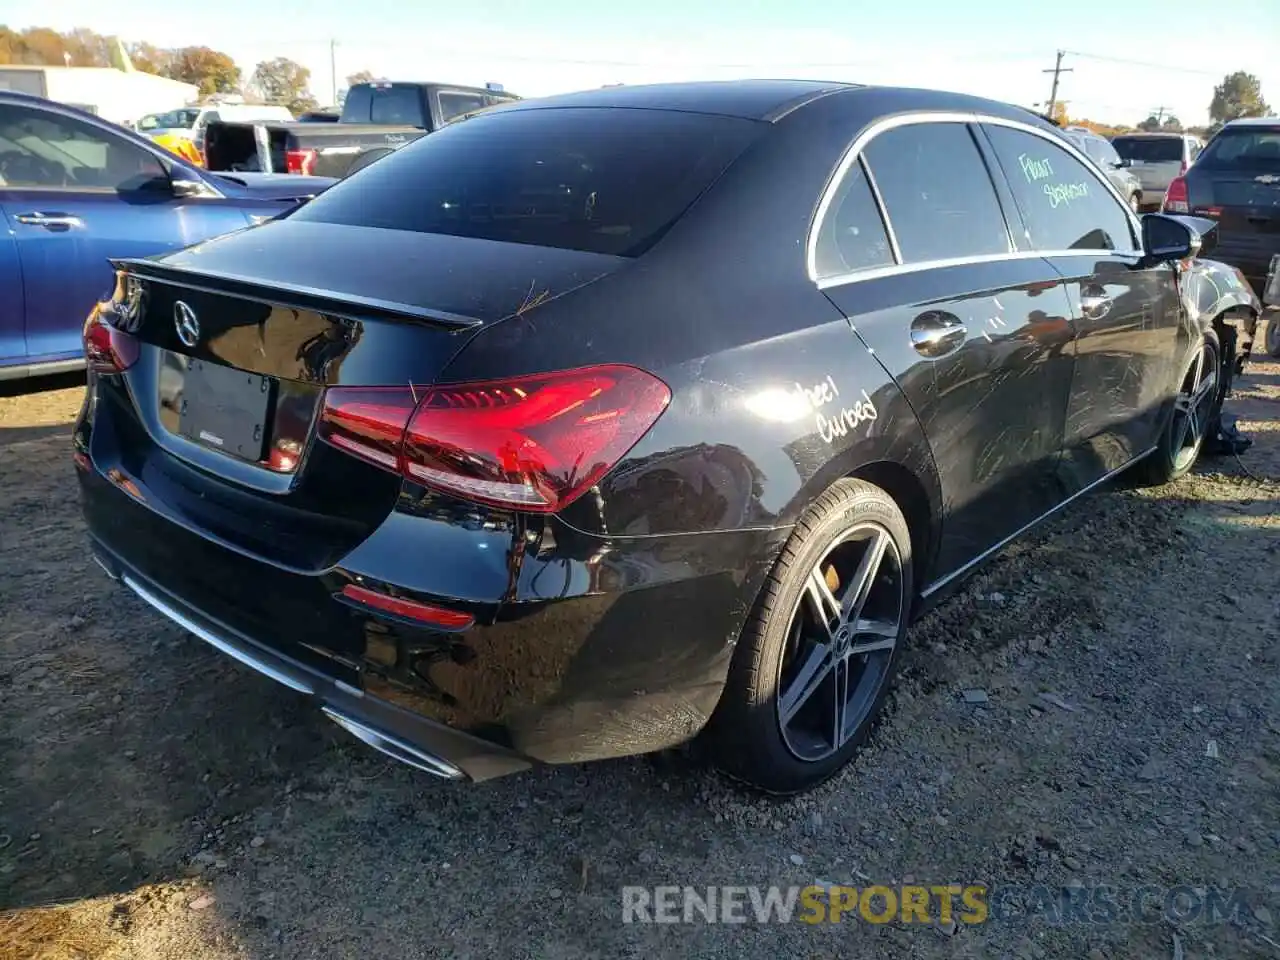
x=1236 y=181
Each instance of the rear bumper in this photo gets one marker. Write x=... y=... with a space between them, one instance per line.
x=583 y=647
x=407 y=737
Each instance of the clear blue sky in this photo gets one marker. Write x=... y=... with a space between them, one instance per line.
x=994 y=48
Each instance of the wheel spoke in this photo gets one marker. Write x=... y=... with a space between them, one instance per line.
x=855 y=597
x=814 y=670
x=840 y=701
x=822 y=602
x=1204 y=389
x=1180 y=431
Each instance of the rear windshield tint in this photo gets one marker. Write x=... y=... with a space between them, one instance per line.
x=1244 y=148
x=1149 y=149
x=601 y=180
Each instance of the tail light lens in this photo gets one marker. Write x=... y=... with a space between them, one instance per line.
x=106 y=349
x=1175 y=198
x=532 y=443
x=300 y=161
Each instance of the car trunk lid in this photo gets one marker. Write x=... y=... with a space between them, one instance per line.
x=242 y=335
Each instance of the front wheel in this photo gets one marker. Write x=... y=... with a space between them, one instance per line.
x=1195 y=409
x=815 y=661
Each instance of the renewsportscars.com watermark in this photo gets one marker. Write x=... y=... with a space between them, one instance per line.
x=967 y=904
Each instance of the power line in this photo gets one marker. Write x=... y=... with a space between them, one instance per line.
x=1141 y=63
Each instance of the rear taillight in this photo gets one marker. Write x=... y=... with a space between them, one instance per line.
x=531 y=443
x=415 y=610
x=1175 y=198
x=300 y=161
x=106 y=349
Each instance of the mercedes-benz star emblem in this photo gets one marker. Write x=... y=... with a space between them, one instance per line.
x=185 y=322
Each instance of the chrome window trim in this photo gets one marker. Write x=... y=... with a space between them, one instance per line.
x=874 y=273
x=854 y=153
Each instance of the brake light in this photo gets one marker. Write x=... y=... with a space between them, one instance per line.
x=300 y=161
x=1175 y=198
x=106 y=349
x=532 y=443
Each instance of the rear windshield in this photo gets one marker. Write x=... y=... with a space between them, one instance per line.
x=601 y=180
x=1252 y=148
x=1149 y=149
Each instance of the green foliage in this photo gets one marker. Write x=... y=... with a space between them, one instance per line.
x=1238 y=95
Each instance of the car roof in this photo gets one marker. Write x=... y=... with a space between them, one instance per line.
x=1156 y=135
x=1254 y=122
x=747 y=99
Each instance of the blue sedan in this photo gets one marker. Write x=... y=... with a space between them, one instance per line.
x=75 y=190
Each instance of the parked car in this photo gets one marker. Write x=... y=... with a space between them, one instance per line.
x=1155 y=159
x=75 y=190
x=1236 y=182
x=1099 y=150
x=192 y=123
x=377 y=118
x=572 y=431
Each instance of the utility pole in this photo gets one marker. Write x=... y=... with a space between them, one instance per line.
x=1058 y=68
x=1158 y=113
x=333 y=73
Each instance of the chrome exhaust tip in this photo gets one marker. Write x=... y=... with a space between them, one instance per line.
x=394 y=748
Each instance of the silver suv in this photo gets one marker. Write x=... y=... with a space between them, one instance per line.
x=1101 y=152
x=1155 y=159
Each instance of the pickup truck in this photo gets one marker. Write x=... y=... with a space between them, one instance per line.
x=377 y=118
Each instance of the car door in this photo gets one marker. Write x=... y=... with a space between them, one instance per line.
x=1126 y=311
x=975 y=332
x=75 y=193
x=13 y=338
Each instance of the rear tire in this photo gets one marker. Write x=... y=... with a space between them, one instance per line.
x=1196 y=407
x=1273 y=333
x=805 y=689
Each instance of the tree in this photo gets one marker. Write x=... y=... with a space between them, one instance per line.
x=1238 y=95
x=1149 y=124
x=210 y=70
x=1171 y=124
x=284 y=82
x=150 y=59
x=1060 y=114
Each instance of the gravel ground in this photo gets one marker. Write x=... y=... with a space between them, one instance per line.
x=159 y=801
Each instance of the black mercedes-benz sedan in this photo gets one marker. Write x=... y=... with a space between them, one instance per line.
x=593 y=424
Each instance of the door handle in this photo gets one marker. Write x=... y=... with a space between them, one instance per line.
x=1095 y=306
x=935 y=334
x=50 y=221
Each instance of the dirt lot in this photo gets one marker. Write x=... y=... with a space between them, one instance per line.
x=168 y=803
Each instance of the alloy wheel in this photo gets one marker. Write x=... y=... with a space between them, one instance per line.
x=1193 y=405
x=840 y=642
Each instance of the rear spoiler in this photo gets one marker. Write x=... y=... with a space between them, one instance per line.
x=293 y=296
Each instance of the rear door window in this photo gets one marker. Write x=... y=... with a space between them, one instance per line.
x=1064 y=202
x=937 y=192
x=454 y=104
x=1149 y=149
x=599 y=180
x=852 y=236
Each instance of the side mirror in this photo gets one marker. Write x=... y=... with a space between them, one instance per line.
x=1123 y=163
x=185 y=189
x=1166 y=238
